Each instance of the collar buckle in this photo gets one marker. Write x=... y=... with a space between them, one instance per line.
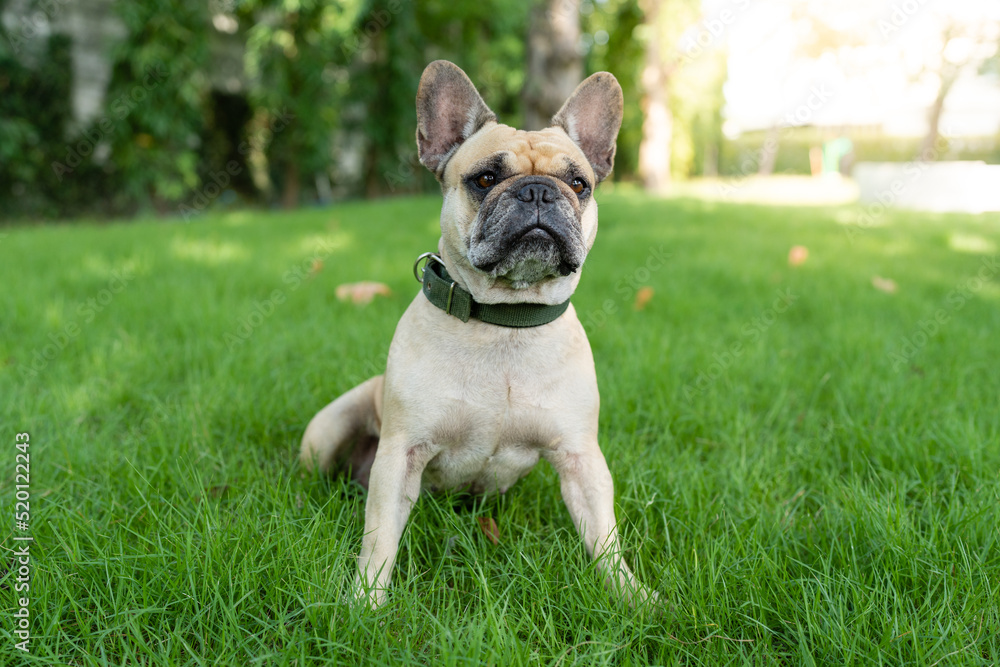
x=430 y=257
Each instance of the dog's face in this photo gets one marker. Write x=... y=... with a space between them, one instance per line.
x=519 y=214
x=518 y=199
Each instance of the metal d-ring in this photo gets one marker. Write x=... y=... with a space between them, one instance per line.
x=430 y=257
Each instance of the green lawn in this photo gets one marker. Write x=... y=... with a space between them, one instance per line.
x=807 y=468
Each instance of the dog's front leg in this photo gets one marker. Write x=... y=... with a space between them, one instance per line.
x=392 y=490
x=588 y=491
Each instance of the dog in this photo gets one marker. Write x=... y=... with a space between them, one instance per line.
x=490 y=369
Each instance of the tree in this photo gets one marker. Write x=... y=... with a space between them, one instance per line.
x=155 y=100
x=554 y=63
x=397 y=40
x=964 y=46
x=665 y=20
x=34 y=113
x=290 y=48
x=612 y=26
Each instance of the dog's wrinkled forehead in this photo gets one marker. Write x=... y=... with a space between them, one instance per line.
x=508 y=152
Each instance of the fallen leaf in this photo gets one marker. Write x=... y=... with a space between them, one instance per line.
x=362 y=293
x=798 y=255
x=643 y=296
x=886 y=285
x=489 y=528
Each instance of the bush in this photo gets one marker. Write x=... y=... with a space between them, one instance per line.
x=738 y=155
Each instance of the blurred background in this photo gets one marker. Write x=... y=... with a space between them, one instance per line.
x=177 y=107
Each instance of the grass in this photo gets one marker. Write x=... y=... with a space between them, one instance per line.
x=819 y=485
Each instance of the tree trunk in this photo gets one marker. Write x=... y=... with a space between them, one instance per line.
x=769 y=152
x=290 y=191
x=657 y=123
x=928 y=147
x=554 y=64
x=711 y=165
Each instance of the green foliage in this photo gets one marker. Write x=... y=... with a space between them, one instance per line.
x=814 y=503
x=34 y=110
x=694 y=84
x=397 y=39
x=740 y=157
x=622 y=55
x=387 y=63
x=293 y=50
x=155 y=101
x=696 y=102
x=327 y=90
x=487 y=40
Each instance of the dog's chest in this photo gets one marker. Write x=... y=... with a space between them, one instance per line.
x=490 y=401
x=491 y=431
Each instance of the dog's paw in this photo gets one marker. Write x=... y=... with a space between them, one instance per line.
x=367 y=596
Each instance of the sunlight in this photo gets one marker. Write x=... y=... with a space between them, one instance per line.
x=208 y=251
x=882 y=68
x=325 y=243
x=971 y=243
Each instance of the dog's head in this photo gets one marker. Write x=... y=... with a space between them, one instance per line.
x=519 y=214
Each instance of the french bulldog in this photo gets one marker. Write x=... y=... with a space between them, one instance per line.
x=489 y=369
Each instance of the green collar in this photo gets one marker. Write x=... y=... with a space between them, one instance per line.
x=445 y=293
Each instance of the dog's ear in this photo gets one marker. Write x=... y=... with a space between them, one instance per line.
x=449 y=111
x=591 y=117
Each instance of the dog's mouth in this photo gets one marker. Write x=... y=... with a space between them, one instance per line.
x=537 y=234
x=531 y=255
x=527 y=233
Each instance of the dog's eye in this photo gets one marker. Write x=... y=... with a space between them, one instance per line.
x=486 y=180
x=578 y=185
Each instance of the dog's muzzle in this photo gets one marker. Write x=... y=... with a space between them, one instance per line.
x=530 y=223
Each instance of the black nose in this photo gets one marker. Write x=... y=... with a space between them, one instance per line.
x=536 y=192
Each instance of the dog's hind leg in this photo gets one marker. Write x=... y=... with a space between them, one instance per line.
x=344 y=434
